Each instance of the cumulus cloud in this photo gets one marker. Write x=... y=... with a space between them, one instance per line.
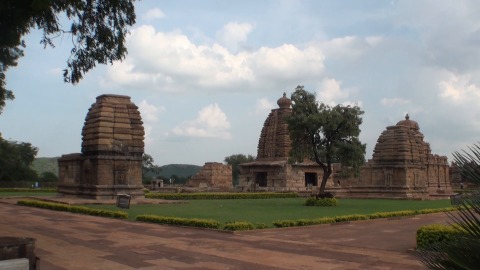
x=330 y=92
x=264 y=106
x=172 y=62
x=148 y=111
x=153 y=14
x=459 y=89
x=149 y=114
x=211 y=122
x=233 y=35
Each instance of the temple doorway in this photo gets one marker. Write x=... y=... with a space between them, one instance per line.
x=311 y=179
x=261 y=179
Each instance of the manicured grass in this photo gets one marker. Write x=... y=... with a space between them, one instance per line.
x=268 y=210
x=27 y=193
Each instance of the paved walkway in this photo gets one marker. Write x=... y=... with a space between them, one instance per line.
x=73 y=241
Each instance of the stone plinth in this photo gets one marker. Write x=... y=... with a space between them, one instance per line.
x=112 y=150
x=17 y=248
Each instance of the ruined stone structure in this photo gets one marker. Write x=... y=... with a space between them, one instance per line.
x=212 y=175
x=112 y=150
x=402 y=166
x=271 y=169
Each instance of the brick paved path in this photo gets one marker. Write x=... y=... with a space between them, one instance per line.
x=73 y=241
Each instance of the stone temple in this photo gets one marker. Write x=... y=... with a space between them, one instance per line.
x=112 y=148
x=403 y=166
x=271 y=169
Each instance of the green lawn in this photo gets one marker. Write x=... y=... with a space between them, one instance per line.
x=268 y=210
x=26 y=193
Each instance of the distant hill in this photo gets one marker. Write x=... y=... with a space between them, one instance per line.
x=181 y=170
x=45 y=164
x=50 y=164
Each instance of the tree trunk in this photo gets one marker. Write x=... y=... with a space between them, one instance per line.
x=326 y=174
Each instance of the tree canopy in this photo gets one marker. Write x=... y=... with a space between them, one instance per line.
x=235 y=160
x=325 y=134
x=97 y=30
x=149 y=168
x=15 y=161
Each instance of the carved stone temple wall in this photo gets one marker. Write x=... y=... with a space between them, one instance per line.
x=271 y=169
x=212 y=175
x=402 y=166
x=110 y=161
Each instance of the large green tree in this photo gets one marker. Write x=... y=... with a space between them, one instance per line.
x=149 y=169
x=236 y=160
x=325 y=134
x=97 y=29
x=15 y=161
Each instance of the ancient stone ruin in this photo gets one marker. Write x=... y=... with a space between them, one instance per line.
x=402 y=166
x=112 y=148
x=212 y=176
x=271 y=169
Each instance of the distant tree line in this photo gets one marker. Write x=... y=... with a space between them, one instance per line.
x=15 y=162
x=236 y=160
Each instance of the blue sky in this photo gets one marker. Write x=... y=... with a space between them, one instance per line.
x=205 y=74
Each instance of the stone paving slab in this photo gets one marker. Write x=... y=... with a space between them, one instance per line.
x=74 y=241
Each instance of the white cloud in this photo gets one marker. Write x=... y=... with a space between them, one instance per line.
x=330 y=92
x=374 y=40
x=459 y=89
x=153 y=14
x=149 y=112
x=172 y=62
x=211 y=122
x=233 y=35
x=390 y=102
x=264 y=106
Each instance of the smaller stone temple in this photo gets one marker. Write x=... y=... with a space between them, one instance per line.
x=112 y=148
x=271 y=169
x=402 y=166
x=212 y=175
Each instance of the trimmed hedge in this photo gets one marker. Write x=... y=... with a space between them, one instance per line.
x=330 y=220
x=436 y=210
x=303 y=222
x=435 y=234
x=321 y=202
x=404 y=213
x=350 y=218
x=220 y=195
x=74 y=209
x=193 y=222
x=238 y=226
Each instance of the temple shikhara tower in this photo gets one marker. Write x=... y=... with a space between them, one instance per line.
x=403 y=166
x=271 y=169
x=112 y=148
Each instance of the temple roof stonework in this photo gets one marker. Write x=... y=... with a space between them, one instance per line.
x=274 y=143
x=402 y=144
x=113 y=124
